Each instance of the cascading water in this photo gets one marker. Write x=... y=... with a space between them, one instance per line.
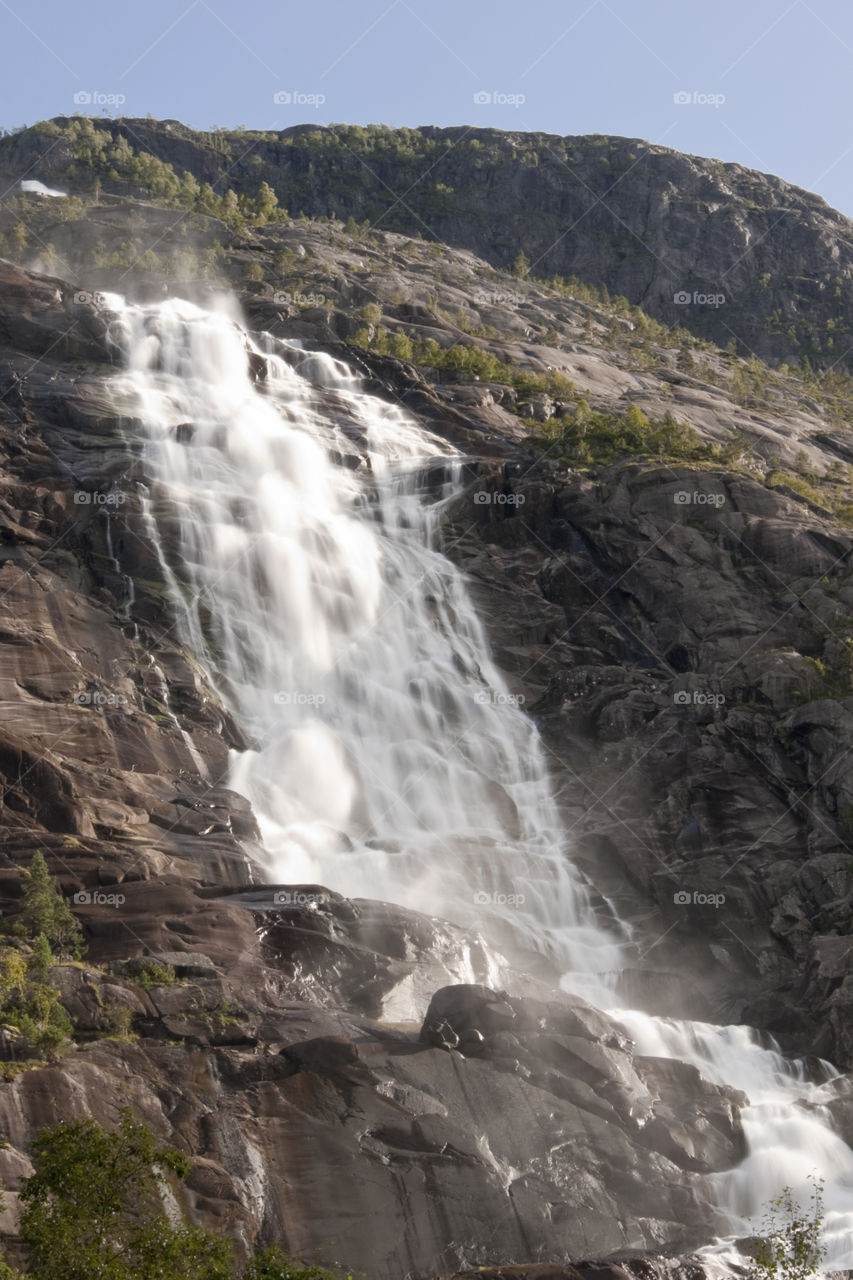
x=390 y=759
x=296 y=520
x=789 y=1133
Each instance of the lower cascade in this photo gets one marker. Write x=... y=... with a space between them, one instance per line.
x=297 y=520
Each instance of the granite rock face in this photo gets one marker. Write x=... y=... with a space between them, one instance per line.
x=347 y=1076
x=669 y=655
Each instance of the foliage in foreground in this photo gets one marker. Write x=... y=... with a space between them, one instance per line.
x=789 y=1247
x=93 y=1210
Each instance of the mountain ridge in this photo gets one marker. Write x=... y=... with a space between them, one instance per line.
x=666 y=230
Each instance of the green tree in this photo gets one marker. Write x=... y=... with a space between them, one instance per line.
x=266 y=202
x=45 y=911
x=230 y=206
x=190 y=193
x=401 y=346
x=41 y=960
x=92 y=1210
x=13 y=974
x=38 y=900
x=521 y=266
x=789 y=1247
x=67 y=934
x=583 y=415
x=635 y=419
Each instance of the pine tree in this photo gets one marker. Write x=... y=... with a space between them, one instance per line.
x=266 y=201
x=42 y=958
x=67 y=936
x=635 y=419
x=38 y=901
x=521 y=266
x=45 y=911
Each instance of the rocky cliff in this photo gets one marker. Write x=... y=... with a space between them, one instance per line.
x=731 y=254
x=676 y=616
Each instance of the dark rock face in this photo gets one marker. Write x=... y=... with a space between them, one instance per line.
x=305 y=1117
x=573 y=1052
x=664 y=654
x=340 y=1080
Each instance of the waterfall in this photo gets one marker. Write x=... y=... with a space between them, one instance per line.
x=298 y=521
x=389 y=759
x=789 y=1133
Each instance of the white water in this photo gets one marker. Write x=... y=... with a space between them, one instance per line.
x=390 y=759
x=789 y=1133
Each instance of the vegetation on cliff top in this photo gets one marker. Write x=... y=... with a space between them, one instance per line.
x=248 y=178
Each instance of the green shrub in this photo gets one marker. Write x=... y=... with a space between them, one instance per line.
x=521 y=266
x=93 y=1210
x=401 y=346
x=153 y=974
x=30 y=1003
x=789 y=1247
x=833 y=679
x=585 y=437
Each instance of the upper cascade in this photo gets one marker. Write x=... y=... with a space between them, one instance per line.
x=390 y=759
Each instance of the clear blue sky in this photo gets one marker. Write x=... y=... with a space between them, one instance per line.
x=770 y=82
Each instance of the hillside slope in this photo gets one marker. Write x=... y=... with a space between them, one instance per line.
x=730 y=253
